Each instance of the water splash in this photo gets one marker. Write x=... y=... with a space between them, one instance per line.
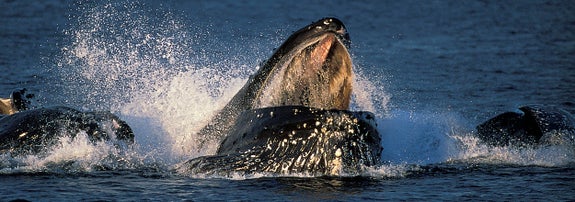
x=118 y=51
x=182 y=110
x=369 y=95
x=72 y=155
x=143 y=65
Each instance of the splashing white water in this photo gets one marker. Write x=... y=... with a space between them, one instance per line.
x=72 y=155
x=122 y=59
x=179 y=112
x=368 y=95
x=117 y=51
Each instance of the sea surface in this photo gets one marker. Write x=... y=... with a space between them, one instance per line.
x=430 y=71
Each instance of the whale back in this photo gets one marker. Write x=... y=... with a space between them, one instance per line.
x=533 y=125
x=295 y=139
x=35 y=131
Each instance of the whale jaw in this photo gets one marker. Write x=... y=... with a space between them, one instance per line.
x=312 y=68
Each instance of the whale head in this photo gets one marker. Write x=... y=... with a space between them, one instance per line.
x=312 y=68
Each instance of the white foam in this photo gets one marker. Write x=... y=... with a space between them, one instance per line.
x=174 y=117
x=71 y=155
x=147 y=71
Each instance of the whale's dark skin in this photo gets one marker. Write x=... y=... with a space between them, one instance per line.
x=534 y=125
x=35 y=131
x=295 y=139
x=292 y=115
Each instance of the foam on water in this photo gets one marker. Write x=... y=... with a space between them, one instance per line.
x=72 y=155
x=144 y=66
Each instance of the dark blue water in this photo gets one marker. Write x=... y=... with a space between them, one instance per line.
x=429 y=70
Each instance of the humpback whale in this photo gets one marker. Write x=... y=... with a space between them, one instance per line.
x=311 y=68
x=292 y=116
x=34 y=131
x=533 y=125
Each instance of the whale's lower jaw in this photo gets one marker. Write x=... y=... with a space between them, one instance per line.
x=311 y=142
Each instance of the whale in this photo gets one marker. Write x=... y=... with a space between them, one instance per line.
x=311 y=68
x=292 y=116
x=25 y=131
x=530 y=126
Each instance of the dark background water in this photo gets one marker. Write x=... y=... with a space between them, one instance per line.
x=474 y=59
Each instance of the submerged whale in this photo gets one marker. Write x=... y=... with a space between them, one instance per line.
x=533 y=125
x=34 y=131
x=292 y=116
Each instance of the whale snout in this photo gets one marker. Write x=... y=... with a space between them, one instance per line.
x=335 y=25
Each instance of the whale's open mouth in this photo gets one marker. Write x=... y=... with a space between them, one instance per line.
x=292 y=116
x=312 y=68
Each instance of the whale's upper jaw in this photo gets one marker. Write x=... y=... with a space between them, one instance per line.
x=311 y=68
x=320 y=27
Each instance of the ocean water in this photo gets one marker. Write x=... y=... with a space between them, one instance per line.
x=429 y=70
